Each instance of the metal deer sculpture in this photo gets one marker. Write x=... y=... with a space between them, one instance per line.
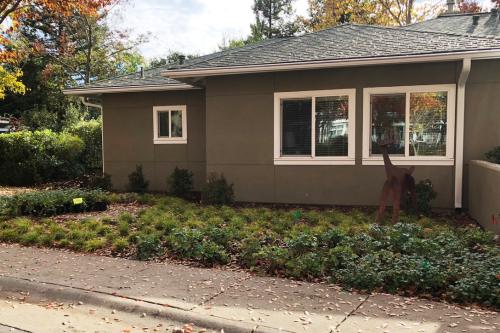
x=399 y=182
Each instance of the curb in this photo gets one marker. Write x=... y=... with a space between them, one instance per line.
x=74 y=295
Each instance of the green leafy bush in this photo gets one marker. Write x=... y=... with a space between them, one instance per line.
x=493 y=155
x=180 y=183
x=136 y=181
x=425 y=194
x=100 y=181
x=148 y=247
x=35 y=157
x=90 y=132
x=54 y=202
x=217 y=191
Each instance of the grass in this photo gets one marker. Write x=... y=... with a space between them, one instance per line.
x=419 y=256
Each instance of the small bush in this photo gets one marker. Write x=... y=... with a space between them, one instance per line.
x=100 y=181
x=148 y=247
x=180 y=183
x=136 y=181
x=425 y=195
x=217 y=191
x=493 y=155
x=54 y=202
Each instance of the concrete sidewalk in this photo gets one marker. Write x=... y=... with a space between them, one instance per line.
x=234 y=300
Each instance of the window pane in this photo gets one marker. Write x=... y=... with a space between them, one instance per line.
x=177 y=124
x=163 y=124
x=331 y=125
x=388 y=122
x=296 y=127
x=428 y=124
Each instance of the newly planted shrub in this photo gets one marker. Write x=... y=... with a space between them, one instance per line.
x=148 y=247
x=425 y=194
x=100 y=181
x=136 y=181
x=217 y=191
x=180 y=183
x=493 y=155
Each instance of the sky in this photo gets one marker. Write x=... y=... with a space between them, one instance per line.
x=190 y=26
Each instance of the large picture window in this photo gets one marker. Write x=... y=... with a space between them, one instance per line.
x=169 y=124
x=417 y=123
x=314 y=127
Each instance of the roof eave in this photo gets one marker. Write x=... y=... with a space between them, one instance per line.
x=115 y=90
x=217 y=71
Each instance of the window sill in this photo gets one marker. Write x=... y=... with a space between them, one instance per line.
x=170 y=142
x=410 y=161
x=314 y=161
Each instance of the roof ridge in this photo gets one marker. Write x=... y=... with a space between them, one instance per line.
x=126 y=74
x=463 y=14
x=405 y=28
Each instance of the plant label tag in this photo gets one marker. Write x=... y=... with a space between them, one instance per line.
x=77 y=201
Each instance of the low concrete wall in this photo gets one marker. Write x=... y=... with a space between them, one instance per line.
x=484 y=194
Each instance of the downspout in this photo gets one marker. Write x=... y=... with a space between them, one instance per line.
x=97 y=106
x=459 y=145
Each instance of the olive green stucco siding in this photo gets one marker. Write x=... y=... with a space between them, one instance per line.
x=231 y=131
x=482 y=115
x=240 y=136
x=128 y=137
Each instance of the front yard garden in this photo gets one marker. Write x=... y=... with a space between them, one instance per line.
x=424 y=256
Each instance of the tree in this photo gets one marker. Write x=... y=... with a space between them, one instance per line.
x=273 y=18
x=174 y=57
x=327 y=13
x=496 y=3
x=469 y=6
x=59 y=53
x=12 y=15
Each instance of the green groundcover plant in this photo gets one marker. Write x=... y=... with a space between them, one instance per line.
x=419 y=256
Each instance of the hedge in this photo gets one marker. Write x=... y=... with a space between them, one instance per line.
x=91 y=134
x=35 y=157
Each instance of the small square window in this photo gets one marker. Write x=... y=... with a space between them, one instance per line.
x=170 y=124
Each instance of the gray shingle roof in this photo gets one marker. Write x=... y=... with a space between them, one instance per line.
x=488 y=24
x=344 y=42
x=152 y=77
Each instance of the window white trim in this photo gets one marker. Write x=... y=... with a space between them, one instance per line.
x=169 y=140
x=411 y=160
x=314 y=160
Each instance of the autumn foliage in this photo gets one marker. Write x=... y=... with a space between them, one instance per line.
x=13 y=13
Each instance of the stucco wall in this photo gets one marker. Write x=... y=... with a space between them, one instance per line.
x=128 y=137
x=484 y=201
x=239 y=127
x=482 y=115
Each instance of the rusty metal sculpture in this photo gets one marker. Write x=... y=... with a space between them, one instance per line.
x=399 y=182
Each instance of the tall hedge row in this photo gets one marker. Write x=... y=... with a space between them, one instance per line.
x=28 y=158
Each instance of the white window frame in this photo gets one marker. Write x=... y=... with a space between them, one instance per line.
x=315 y=160
x=164 y=140
x=446 y=160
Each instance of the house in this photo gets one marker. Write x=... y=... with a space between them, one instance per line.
x=5 y=125
x=298 y=120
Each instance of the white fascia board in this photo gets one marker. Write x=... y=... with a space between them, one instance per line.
x=451 y=56
x=114 y=90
